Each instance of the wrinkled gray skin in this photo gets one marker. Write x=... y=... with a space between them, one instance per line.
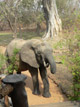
x=34 y=54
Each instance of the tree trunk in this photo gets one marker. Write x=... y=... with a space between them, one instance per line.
x=38 y=29
x=53 y=22
x=20 y=31
x=12 y=26
x=15 y=28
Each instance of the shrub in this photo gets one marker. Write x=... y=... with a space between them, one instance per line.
x=13 y=61
x=73 y=63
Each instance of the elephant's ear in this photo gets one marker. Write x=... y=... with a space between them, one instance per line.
x=28 y=56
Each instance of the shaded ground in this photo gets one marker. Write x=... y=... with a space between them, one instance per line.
x=63 y=78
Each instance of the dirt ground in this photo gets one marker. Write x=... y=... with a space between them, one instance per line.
x=56 y=94
x=2 y=49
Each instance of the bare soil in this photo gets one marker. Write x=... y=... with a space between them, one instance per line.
x=2 y=49
x=56 y=94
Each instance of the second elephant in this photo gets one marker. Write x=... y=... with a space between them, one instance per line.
x=34 y=54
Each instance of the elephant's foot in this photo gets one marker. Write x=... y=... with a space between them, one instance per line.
x=36 y=92
x=46 y=94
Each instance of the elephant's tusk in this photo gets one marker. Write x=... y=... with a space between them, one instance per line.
x=46 y=64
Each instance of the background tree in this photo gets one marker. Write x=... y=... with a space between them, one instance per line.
x=9 y=10
x=69 y=11
x=53 y=22
x=20 y=15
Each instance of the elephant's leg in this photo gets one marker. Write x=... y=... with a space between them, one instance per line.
x=44 y=77
x=34 y=74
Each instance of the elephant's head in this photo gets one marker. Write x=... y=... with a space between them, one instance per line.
x=38 y=53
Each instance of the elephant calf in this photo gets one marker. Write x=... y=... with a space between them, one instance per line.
x=34 y=54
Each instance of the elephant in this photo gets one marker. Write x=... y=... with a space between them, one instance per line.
x=34 y=55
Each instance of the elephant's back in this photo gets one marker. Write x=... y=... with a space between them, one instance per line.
x=33 y=42
x=14 y=44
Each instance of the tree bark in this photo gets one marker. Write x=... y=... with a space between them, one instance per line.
x=53 y=22
x=15 y=28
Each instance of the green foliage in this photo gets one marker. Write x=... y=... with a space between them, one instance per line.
x=62 y=5
x=59 y=44
x=72 y=59
x=69 y=12
x=63 y=59
x=13 y=62
x=76 y=75
x=27 y=3
x=19 y=13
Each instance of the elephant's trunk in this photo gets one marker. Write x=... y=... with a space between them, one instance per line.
x=52 y=63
